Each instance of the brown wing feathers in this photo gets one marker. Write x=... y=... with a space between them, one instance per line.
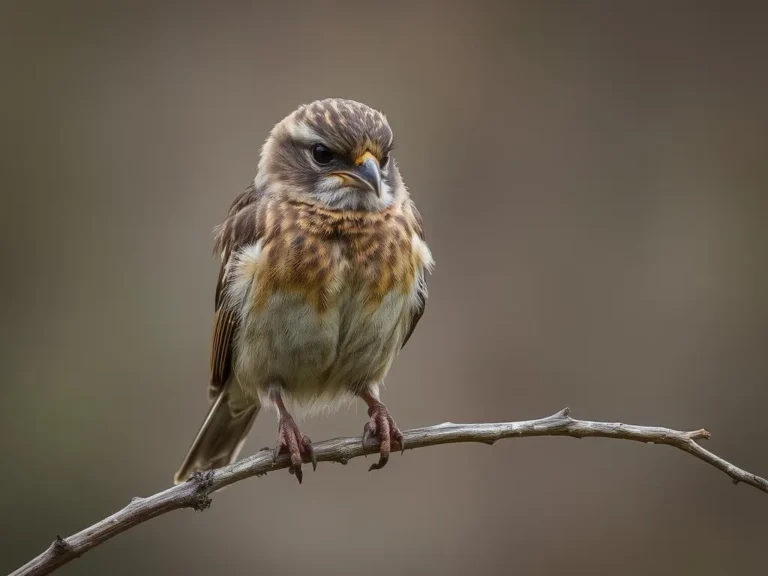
x=239 y=229
x=418 y=310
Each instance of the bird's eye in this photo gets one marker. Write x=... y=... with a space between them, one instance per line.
x=322 y=154
x=384 y=161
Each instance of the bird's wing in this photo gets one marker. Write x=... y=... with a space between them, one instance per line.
x=240 y=229
x=418 y=309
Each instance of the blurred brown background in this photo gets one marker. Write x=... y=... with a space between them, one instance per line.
x=594 y=182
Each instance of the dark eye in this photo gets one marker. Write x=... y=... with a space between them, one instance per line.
x=322 y=154
x=384 y=161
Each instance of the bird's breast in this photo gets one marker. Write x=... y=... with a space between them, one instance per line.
x=309 y=254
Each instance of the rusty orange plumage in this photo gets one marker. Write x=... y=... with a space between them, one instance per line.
x=308 y=249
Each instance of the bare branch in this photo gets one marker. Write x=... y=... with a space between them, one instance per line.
x=196 y=492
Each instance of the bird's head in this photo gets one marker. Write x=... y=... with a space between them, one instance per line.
x=335 y=153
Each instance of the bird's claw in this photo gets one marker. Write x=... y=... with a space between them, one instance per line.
x=381 y=425
x=290 y=440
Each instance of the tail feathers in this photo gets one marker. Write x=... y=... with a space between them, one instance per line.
x=220 y=439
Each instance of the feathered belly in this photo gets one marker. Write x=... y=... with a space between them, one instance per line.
x=319 y=357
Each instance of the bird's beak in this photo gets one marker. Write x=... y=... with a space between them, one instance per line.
x=367 y=175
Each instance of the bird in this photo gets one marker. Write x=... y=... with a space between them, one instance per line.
x=322 y=282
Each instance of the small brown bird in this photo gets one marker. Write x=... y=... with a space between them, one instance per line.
x=322 y=282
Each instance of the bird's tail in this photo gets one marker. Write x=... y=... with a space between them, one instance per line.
x=220 y=439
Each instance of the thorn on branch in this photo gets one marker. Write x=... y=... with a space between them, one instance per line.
x=60 y=546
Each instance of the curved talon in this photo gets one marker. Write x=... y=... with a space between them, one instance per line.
x=369 y=431
x=381 y=425
x=290 y=440
x=380 y=464
x=276 y=451
x=310 y=450
x=399 y=438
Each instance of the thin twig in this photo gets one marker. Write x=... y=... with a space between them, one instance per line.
x=196 y=492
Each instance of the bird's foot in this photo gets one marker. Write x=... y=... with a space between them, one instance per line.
x=382 y=426
x=290 y=440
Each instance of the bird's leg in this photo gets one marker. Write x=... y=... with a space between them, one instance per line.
x=381 y=425
x=290 y=439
